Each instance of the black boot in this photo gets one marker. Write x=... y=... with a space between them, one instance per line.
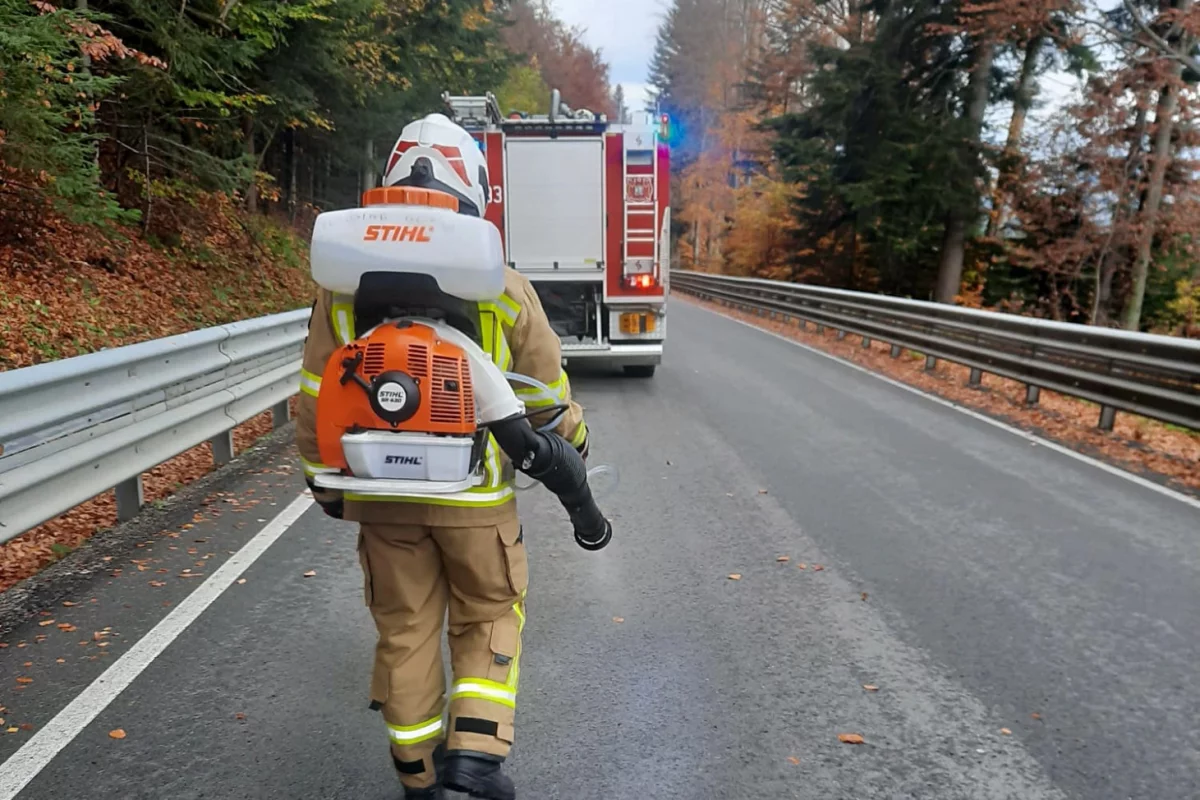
x=477 y=775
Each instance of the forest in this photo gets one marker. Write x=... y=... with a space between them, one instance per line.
x=1030 y=156
x=161 y=162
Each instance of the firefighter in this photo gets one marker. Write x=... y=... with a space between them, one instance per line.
x=420 y=558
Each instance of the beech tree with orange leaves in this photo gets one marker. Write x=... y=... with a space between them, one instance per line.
x=900 y=134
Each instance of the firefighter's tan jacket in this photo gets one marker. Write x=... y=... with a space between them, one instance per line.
x=518 y=336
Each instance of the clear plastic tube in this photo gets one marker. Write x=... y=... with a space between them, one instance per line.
x=535 y=383
x=602 y=478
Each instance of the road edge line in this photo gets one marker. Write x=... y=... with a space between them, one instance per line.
x=26 y=763
x=970 y=412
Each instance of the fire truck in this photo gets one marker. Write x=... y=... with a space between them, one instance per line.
x=583 y=209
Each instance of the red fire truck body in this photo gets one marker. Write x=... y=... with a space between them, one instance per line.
x=583 y=208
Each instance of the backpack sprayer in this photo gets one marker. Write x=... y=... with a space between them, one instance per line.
x=406 y=408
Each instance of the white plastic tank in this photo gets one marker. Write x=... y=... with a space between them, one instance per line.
x=462 y=253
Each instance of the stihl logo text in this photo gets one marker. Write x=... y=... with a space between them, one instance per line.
x=397 y=233
x=408 y=461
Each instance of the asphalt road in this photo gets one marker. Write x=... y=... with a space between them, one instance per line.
x=976 y=579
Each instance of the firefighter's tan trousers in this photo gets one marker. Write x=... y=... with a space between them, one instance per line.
x=413 y=573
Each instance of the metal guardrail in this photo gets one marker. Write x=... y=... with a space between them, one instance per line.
x=1145 y=374
x=73 y=429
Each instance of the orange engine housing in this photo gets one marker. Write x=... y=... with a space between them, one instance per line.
x=439 y=369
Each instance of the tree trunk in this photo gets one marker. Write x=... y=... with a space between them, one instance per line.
x=1164 y=121
x=955 y=238
x=368 y=175
x=290 y=156
x=252 y=190
x=149 y=187
x=1106 y=263
x=1022 y=102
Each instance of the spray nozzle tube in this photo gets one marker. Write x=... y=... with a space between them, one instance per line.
x=550 y=459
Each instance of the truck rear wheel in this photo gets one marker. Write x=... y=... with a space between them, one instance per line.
x=640 y=370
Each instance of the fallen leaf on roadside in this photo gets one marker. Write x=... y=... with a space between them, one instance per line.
x=191 y=575
x=24 y=680
x=817 y=567
x=26 y=726
x=762 y=491
x=158 y=584
x=618 y=620
x=46 y=622
x=735 y=576
x=69 y=604
x=850 y=738
x=239 y=715
x=241 y=580
x=1006 y=731
x=116 y=734
x=864 y=596
x=312 y=573
x=783 y=559
x=870 y=687
x=802 y=565
x=13 y=730
x=29 y=663
x=1036 y=715
x=60 y=661
x=793 y=760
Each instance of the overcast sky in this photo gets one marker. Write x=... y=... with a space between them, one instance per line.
x=624 y=31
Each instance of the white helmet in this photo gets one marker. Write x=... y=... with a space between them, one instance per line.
x=434 y=153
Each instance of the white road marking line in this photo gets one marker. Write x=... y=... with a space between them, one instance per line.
x=25 y=764
x=1038 y=440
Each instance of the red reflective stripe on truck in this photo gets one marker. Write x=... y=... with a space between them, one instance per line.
x=614 y=187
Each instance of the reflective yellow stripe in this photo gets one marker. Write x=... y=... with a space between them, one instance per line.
x=505 y=307
x=405 y=735
x=502 y=356
x=514 y=673
x=580 y=435
x=310 y=383
x=534 y=397
x=312 y=468
x=342 y=316
x=482 y=689
x=468 y=499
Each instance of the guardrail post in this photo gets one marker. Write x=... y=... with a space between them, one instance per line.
x=841 y=335
x=222 y=448
x=976 y=378
x=281 y=414
x=1108 y=418
x=930 y=363
x=1032 y=393
x=130 y=498
x=820 y=329
x=866 y=342
x=803 y=324
x=896 y=350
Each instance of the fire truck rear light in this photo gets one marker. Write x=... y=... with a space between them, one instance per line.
x=638 y=323
x=644 y=281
